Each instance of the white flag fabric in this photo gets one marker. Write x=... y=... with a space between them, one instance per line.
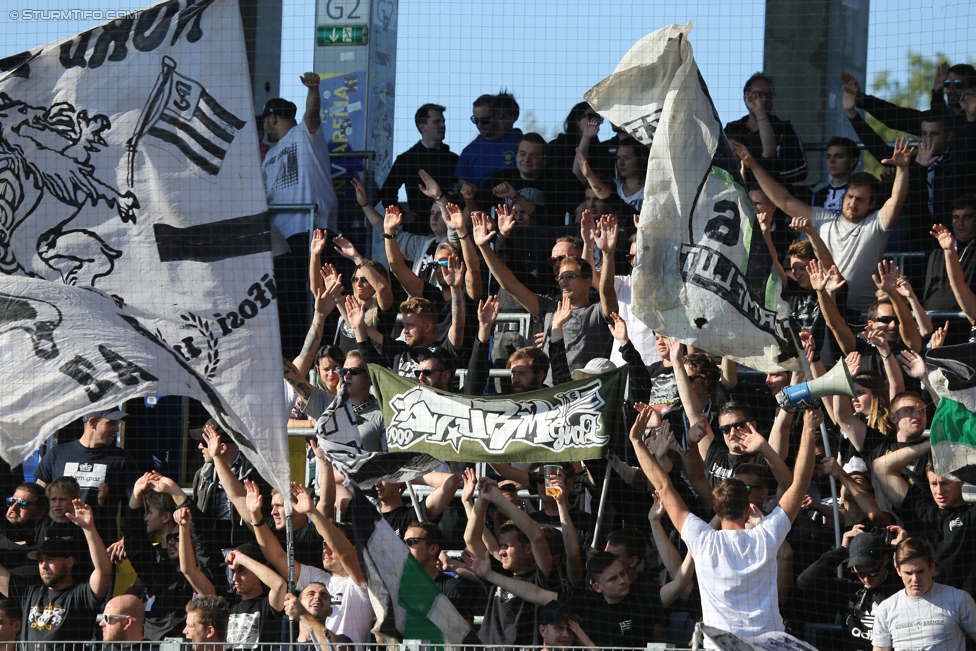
x=704 y=274
x=129 y=166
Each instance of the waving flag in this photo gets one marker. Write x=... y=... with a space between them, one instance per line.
x=704 y=274
x=130 y=182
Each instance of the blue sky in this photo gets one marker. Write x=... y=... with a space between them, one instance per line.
x=548 y=53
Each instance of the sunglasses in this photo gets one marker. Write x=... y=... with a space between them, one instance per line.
x=759 y=94
x=442 y=263
x=426 y=372
x=694 y=378
x=594 y=116
x=102 y=617
x=567 y=277
x=173 y=537
x=554 y=262
x=351 y=371
x=867 y=575
x=360 y=279
x=413 y=541
x=949 y=83
x=19 y=502
x=475 y=120
x=885 y=319
x=726 y=429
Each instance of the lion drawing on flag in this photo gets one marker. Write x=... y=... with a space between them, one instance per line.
x=46 y=173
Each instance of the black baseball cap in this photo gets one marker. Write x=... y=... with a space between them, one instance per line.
x=280 y=107
x=556 y=611
x=867 y=550
x=197 y=433
x=62 y=547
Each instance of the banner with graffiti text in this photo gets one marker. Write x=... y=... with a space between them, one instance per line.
x=129 y=169
x=569 y=422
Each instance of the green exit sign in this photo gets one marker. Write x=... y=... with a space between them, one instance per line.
x=349 y=35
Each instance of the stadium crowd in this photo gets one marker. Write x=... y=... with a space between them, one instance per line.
x=718 y=505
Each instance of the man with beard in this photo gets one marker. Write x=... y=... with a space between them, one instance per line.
x=59 y=609
x=857 y=236
x=24 y=526
x=121 y=622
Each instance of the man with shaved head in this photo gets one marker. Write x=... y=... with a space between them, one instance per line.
x=121 y=622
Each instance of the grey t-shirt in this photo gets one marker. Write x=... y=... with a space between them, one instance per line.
x=939 y=620
x=856 y=249
x=586 y=333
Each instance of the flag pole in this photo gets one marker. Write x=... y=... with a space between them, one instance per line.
x=290 y=549
x=603 y=503
x=416 y=504
x=826 y=443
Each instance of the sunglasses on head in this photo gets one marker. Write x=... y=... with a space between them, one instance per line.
x=351 y=371
x=727 y=429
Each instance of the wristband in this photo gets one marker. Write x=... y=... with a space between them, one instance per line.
x=438 y=198
x=361 y=264
x=883 y=356
x=387 y=236
x=260 y=522
x=816 y=358
x=464 y=237
x=185 y=504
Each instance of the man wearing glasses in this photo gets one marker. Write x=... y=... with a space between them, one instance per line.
x=771 y=140
x=58 y=609
x=426 y=541
x=871 y=580
x=25 y=524
x=121 y=623
x=494 y=148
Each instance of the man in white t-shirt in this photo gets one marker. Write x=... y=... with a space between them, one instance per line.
x=926 y=614
x=736 y=566
x=857 y=236
x=297 y=170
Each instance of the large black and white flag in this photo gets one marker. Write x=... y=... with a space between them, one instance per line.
x=704 y=274
x=129 y=168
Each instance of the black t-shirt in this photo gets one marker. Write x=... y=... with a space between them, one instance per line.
x=307 y=544
x=444 y=319
x=720 y=463
x=253 y=621
x=951 y=532
x=509 y=621
x=627 y=623
x=462 y=594
x=401 y=517
x=93 y=467
x=54 y=615
x=583 y=522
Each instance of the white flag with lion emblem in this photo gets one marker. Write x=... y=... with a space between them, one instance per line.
x=129 y=167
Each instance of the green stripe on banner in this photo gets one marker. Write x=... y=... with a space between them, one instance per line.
x=953 y=423
x=416 y=595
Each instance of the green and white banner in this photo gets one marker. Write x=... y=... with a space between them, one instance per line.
x=570 y=422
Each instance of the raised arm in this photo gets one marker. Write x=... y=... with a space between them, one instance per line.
x=925 y=327
x=313 y=339
x=233 y=486
x=820 y=281
x=676 y=507
x=267 y=576
x=778 y=194
x=896 y=381
x=372 y=214
x=188 y=556
x=805 y=225
x=475 y=527
x=606 y=238
x=803 y=469
x=587 y=229
x=571 y=541
x=445 y=485
x=752 y=442
x=313 y=102
x=887 y=281
x=689 y=399
x=850 y=425
x=857 y=492
x=901 y=158
x=528 y=526
x=269 y=544
x=454 y=277
x=887 y=468
x=101 y=577
x=469 y=252
x=957 y=277
x=483 y=234
x=332 y=537
x=411 y=283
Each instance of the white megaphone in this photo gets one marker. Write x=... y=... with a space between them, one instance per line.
x=837 y=382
